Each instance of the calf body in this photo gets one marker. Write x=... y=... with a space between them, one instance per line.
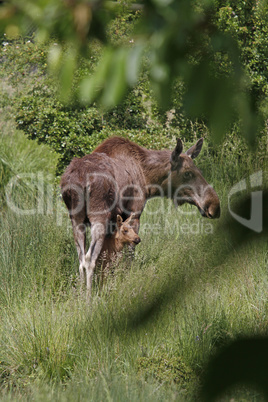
x=117 y=179
x=114 y=244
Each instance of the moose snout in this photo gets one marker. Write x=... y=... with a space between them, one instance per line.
x=213 y=211
x=137 y=240
x=210 y=208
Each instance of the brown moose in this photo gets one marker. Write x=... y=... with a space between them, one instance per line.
x=114 y=244
x=117 y=179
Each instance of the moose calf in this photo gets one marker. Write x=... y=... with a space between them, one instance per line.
x=113 y=245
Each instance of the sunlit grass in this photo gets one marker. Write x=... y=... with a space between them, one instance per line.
x=178 y=297
x=149 y=332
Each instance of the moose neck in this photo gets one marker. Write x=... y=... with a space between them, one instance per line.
x=117 y=245
x=156 y=168
x=110 y=244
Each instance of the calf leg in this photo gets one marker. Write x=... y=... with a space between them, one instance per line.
x=135 y=224
x=97 y=240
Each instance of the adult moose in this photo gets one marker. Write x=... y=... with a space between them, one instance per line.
x=117 y=178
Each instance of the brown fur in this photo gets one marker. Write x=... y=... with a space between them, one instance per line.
x=113 y=245
x=118 y=178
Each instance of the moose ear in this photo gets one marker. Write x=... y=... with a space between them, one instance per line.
x=176 y=153
x=131 y=218
x=119 y=221
x=194 y=151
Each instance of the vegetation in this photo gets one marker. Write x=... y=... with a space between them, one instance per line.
x=200 y=296
x=194 y=285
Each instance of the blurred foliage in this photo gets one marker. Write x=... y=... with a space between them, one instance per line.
x=218 y=49
x=243 y=361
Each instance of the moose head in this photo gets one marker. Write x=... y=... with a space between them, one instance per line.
x=187 y=183
x=124 y=232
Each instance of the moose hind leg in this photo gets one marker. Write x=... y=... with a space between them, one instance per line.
x=97 y=240
x=79 y=232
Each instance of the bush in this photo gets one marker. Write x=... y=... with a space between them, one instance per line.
x=74 y=132
x=165 y=369
x=69 y=131
x=247 y=23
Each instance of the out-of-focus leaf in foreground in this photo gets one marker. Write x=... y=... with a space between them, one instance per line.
x=242 y=362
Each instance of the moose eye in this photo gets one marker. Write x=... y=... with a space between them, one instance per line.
x=125 y=230
x=187 y=175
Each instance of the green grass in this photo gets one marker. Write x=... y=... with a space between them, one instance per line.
x=26 y=169
x=176 y=302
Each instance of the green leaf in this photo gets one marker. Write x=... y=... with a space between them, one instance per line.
x=134 y=60
x=54 y=58
x=91 y=86
x=115 y=84
x=67 y=73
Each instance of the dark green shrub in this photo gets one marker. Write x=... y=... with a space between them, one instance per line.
x=75 y=131
x=69 y=131
x=247 y=23
x=165 y=369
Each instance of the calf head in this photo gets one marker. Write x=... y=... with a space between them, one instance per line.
x=125 y=234
x=188 y=184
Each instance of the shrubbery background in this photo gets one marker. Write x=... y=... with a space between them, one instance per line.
x=72 y=130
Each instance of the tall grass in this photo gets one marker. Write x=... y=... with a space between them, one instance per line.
x=24 y=166
x=176 y=302
x=149 y=332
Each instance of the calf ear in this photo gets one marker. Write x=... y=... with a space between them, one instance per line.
x=174 y=159
x=119 y=221
x=194 y=151
x=131 y=218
